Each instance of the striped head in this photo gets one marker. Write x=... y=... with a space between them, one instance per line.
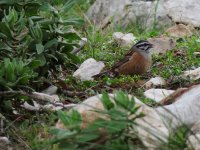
x=143 y=46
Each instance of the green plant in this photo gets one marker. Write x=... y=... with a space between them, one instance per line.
x=46 y=34
x=121 y=80
x=36 y=37
x=117 y=127
x=16 y=73
x=178 y=139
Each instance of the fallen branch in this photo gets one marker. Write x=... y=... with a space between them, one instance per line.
x=72 y=94
x=38 y=97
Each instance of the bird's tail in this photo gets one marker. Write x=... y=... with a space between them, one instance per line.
x=109 y=73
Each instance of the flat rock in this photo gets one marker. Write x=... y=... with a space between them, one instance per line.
x=88 y=69
x=157 y=94
x=162 y=44
x=179 y=31
x=51 y=90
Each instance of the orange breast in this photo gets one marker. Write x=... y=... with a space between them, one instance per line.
x=137 y=65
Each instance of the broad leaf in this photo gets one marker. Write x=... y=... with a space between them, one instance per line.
x=50 y=43
x=4 y=46
x=72 y=22
x=39 y=48
x=67 y=6
x=108 y=104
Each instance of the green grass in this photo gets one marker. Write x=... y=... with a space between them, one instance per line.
x=180 y=59
x=170 y=65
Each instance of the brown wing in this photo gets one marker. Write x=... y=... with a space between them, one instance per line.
x=136 y=65
x=122 y=61
x=126 y=58
x=130 y=52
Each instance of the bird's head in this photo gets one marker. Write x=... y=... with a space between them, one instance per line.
x=143 y=46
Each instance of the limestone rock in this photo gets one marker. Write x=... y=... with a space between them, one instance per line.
x=50 y=90
x=162 y=44
x=88 y=69
x=193 y=142
x=157 y=94
x=192 y=74
x=184 y=11
x=145 y=13
x=124 y=39
x=125 y=12
x=185 y=109
x=154 y=82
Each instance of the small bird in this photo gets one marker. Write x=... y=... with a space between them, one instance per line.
x=135 y=62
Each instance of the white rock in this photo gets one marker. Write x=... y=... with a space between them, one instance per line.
x=29 y=107
x=117 y=35
x=125 y=12
x=153 y=82
x=50 y=90
x=15 y=112
x=4 y=140
x=184 y=11
x=124 y=39
x=192 y=74
x=83 y=41
x=46 y=97
x=145 y=13
x=157 y=94
x=88 y=68
x=185 y=109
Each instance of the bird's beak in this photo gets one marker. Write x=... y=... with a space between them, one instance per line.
x=151 y=45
